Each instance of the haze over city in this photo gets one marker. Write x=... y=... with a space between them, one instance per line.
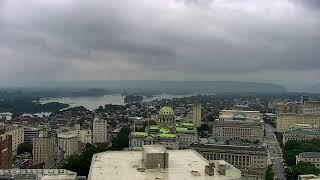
x=171 y=40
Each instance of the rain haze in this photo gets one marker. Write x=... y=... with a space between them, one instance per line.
x=268 y=41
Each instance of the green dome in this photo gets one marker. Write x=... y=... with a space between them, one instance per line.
x=166 y=111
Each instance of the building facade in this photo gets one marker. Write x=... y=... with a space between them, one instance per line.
x=311 y=157
x=30 y=133
x=99 y=131
x=287 y=120
x=68 y=143
x=196 y=110
x=17 y=133
x=301 y=134
x=5 y=151
x=311 y=107
x=237 y=130
x=84 y=136
x=250 y=160
x=186 y=136
x=43 y=150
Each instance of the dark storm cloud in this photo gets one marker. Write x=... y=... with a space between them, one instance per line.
x=161 y=39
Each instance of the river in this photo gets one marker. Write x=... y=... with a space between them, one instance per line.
x=93 y=102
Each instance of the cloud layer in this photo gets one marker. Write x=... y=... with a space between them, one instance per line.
x=261 y=40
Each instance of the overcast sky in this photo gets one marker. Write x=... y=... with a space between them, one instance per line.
x=235 y=40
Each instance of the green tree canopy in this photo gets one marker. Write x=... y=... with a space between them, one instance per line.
x=301 y=168
x=270 y=173
x=293 y=148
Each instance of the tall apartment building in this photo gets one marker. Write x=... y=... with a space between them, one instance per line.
x=311 y=107
x=5 y=151
x=99 y=131
x=17 y=133
x=250 y=116
x=68 y=143
x=238 y=130
x=196 y=110
x=287 y=120
x=43 y=150
x=250 y=160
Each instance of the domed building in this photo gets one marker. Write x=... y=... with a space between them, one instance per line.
x=166 y=117
x=166 y=132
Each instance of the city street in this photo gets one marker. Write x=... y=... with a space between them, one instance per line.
x=275 y=152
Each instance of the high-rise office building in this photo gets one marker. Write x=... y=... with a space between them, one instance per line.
x=5 y=151
x=43 y=150
x=197 y=114
x=99 y=131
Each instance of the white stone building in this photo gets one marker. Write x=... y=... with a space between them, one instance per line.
x=68 y=143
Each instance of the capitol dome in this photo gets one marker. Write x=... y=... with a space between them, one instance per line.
x=166 y=111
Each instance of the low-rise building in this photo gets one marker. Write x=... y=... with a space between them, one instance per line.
x=68 y=143
x=39 y=174
x=155 y=135
x=301 y=134
x=308 y=177
x=311 y=107
x=311 y=157
x=250 y=160
x=155 y=162
x=238 y=130
x=186 y=134
x=286 y=121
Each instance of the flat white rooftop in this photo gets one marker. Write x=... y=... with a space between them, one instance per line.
x=123 y=165
x=154 y=149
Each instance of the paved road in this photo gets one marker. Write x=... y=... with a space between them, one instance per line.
x=275 y=152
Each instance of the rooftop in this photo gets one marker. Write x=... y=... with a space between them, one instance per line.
x=166 y=111
x=236 y=123
x=310 y=154
x=183 y=164
x=154 y=149
x=232 y=148
x=66 y=135
x=303 y=132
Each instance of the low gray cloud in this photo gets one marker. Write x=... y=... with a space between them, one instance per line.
x=262 y=40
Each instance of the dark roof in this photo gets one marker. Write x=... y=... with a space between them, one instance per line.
x=230 y=148
x=310 y=154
